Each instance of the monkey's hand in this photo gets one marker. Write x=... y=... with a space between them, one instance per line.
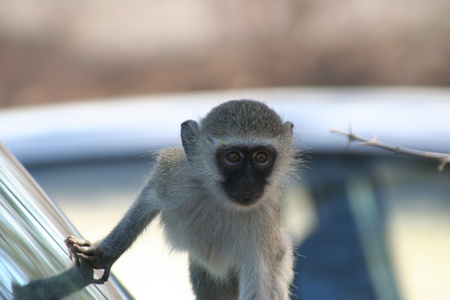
x=83 y=251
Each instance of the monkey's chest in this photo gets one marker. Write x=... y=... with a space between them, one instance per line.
x=218 y=243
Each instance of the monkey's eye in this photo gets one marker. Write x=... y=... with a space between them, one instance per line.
x=233 y=157
x=261 y=157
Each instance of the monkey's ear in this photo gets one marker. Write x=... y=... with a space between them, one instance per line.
x=288 y=128
x=189 y=134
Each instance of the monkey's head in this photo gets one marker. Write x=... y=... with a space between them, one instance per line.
x=241 y=145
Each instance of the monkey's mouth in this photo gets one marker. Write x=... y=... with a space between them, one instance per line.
x=243 y=193
x=246 y=198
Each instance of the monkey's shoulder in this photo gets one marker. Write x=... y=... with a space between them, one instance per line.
x=169 y=171
x=168 y=161
x=170 y=157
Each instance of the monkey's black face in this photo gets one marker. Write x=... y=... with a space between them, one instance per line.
x=246 y=170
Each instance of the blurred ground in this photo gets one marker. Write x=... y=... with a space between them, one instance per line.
x=53 y=51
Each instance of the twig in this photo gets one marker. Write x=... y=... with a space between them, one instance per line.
x=443 y=158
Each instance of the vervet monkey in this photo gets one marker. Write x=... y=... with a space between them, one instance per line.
x=219 y=200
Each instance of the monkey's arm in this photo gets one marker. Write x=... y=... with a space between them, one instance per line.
x=103 y=255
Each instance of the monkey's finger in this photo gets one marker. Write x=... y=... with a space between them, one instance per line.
x=71 y=240
x=69 y=247
x=84 y=249
x=106 y=273
x=73 y=255
x=93 y=260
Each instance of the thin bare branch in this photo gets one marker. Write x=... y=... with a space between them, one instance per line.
x=443 y=158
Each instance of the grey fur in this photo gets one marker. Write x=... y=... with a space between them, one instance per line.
x=235 y=252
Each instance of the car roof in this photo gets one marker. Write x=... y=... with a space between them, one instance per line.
x=412 y=117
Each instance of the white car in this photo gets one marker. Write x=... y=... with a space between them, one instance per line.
x=367 y=224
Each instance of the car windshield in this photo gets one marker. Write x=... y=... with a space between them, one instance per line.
x=33 y=258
